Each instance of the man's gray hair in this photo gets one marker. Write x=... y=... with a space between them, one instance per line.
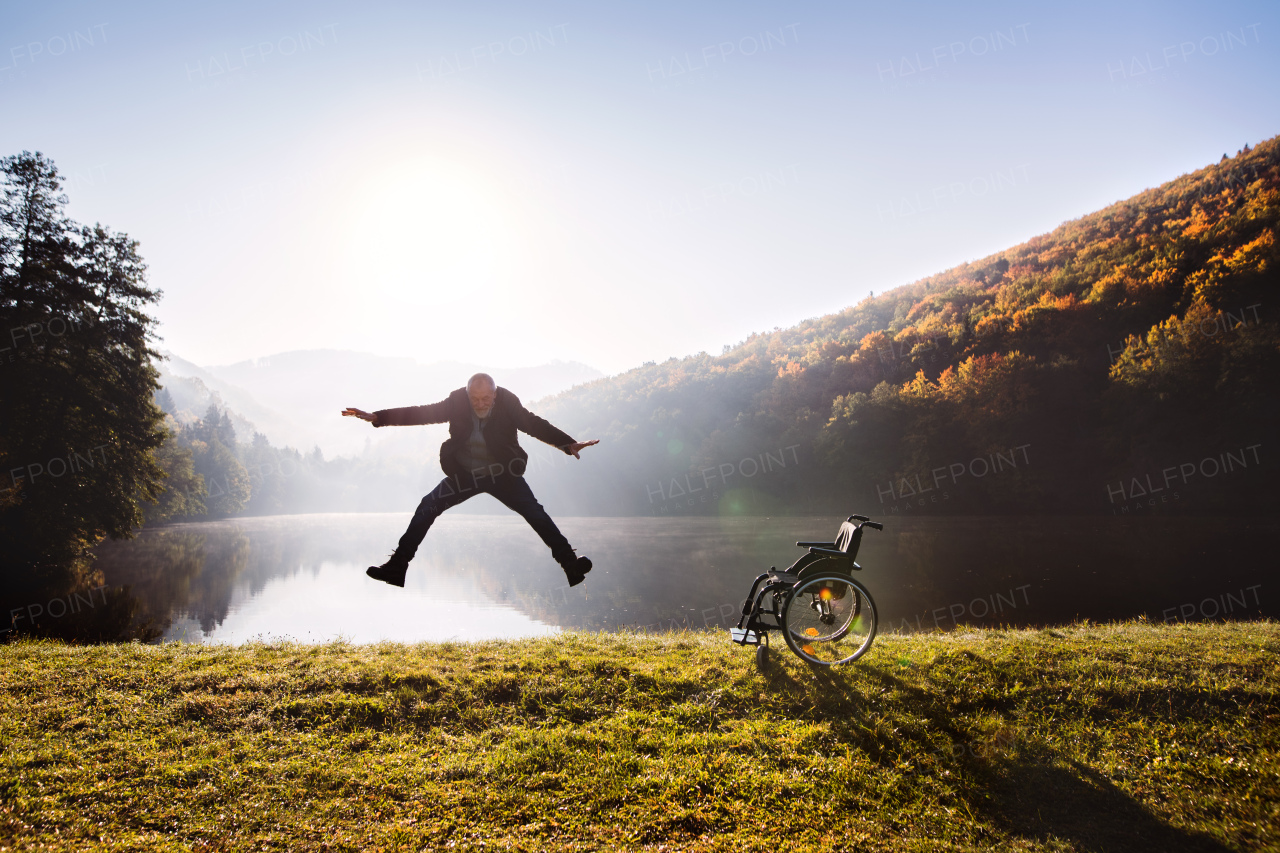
x=482 y=377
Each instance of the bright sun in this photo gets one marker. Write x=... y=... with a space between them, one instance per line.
x=427 y=232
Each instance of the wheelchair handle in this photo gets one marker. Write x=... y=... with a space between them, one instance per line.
x=874 y=525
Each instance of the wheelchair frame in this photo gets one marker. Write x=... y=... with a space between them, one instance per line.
x=826 y=567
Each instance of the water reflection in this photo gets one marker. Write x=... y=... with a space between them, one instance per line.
x=479 y=577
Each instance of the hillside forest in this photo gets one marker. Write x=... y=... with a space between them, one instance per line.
x=1124 y=363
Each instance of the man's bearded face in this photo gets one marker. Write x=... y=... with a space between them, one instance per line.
x=482 y=396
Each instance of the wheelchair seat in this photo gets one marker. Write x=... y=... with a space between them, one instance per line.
x=844 y=549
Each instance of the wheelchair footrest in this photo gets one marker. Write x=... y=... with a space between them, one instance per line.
x=745 y=636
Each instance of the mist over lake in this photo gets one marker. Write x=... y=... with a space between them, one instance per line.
x=483 y=577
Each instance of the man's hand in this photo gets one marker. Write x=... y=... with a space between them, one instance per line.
x=356 y=413
x=578 y=445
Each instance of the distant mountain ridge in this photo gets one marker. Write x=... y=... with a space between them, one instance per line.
x=294 y=398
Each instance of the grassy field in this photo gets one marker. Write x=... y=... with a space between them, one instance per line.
x=1093 y=737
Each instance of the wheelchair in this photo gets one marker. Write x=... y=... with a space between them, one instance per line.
x=826 y=616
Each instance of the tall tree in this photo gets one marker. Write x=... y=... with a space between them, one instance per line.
x=80 y=425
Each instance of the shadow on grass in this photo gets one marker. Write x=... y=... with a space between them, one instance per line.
x=1073 y=802
x=1026 y=790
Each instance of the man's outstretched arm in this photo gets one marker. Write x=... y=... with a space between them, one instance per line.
x=541 y=429
x=435 y=413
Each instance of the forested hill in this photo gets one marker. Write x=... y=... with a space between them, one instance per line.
x=1124 y=363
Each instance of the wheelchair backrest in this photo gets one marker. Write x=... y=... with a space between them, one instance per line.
x=849 y=538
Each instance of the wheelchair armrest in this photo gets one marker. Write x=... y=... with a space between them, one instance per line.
x=830 y=552
x=815 y=544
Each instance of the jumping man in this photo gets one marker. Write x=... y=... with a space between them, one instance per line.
x=482 y=454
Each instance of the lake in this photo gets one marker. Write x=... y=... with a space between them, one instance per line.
x=481 y=577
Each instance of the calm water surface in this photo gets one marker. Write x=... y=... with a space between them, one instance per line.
x=483 y=577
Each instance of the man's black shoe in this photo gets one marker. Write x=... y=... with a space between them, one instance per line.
x=392 y=571
x=577 y=570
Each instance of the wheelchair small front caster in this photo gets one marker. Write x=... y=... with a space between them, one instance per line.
x=762 y=656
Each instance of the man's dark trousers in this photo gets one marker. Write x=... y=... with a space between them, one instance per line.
x=512 y=491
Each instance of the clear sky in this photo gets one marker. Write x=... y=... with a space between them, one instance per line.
x=613 y=183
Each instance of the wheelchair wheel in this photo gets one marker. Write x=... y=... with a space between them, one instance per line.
x=829 y=619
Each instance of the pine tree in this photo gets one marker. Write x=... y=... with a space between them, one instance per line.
x=80 y=423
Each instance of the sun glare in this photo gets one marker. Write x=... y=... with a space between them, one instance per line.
x=426 y=232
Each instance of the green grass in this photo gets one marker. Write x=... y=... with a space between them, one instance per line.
x=1093 y=737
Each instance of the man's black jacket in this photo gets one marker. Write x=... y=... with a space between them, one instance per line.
x=507 y=416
